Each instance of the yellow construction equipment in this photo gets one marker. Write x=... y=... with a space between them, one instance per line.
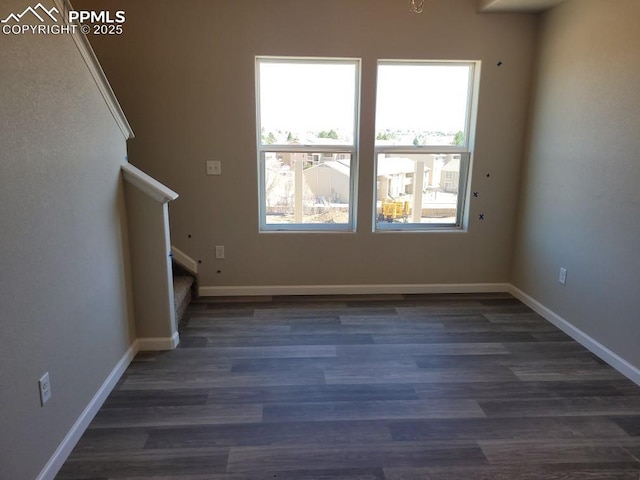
x=394 y=210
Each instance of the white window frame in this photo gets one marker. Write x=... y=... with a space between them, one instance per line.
x=465 y=151
x=351 y=149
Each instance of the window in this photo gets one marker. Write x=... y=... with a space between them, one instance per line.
x=307 y=135
x=422 y=150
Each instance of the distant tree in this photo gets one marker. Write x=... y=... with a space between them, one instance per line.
x=385 y=136
x=270 y=139
x=290 y=137
x=330 y=134
x=416 y=142
x=458 y=139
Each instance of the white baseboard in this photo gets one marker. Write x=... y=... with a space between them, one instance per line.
x=184 y=260
x=351 y=289
x=158 y=343
x=595 y=347
x=69 y=442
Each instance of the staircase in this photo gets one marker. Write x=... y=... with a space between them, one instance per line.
x=184 y=288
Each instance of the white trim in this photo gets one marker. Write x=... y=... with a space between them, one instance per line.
x=89 y=56
x=147 y=184
x=616 y=361
x=184 y=260
x=351 y=289
x=69 y=442
x=154 y=344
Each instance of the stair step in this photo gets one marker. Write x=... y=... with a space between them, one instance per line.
x=182 y=293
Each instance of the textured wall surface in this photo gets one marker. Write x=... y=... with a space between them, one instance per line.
x=581 y=202
x=64 y=304
x=184 y=73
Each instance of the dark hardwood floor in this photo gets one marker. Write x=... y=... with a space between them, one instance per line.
x=414 y=387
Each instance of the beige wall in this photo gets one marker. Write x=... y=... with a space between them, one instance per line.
x=63 y=284
x=184 y=73
x=580 y=201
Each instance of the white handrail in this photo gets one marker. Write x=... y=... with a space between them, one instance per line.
x=147 y=184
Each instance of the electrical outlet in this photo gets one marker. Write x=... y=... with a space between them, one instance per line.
x=220 y=251
x=44 y=385
x=214 y=167
x=563 y=276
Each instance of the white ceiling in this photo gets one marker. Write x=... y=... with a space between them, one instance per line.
x=489 y=6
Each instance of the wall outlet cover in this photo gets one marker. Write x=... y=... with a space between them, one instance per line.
x=563 y=276
x=44 y=384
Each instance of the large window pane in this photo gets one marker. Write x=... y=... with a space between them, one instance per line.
x=307 y=188
x=307 y=102
x=419 y=189
x=421 y=104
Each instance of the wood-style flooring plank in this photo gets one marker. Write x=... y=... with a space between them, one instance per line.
x=280 y=351
x=204 y=321
x=570 y=407
x=320 y=363
x=239 y=329
x=398 y=350
x=510 y=391
x=367 y=329
x=518 y=452
x=565 y=372
x=155 y=398
x=312 y=394
x=390 y=454
x=290 y=433
x=201 y=380
x=212 y=414
x=506 y=428
x=290 y=340
x=517 y=362
x=349 y=375
x=453 y=337
x=372 y=410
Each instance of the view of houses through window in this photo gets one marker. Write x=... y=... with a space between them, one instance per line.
x=308 y=116
x=418 y=188
x=305 y=187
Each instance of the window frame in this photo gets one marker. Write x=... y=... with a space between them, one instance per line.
x=351 y=149
x=465 y=151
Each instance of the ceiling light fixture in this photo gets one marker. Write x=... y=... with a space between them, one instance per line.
x=416 y=6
